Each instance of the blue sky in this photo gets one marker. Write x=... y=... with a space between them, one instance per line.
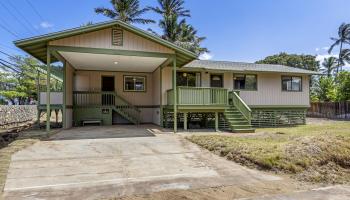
x=236 y=30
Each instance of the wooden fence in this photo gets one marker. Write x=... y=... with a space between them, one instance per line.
x=331 y=110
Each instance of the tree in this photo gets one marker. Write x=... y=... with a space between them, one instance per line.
x=128 y=11
x=343 y=82
x=325 y=89
x=177 y=30
x=345 y=56
x=329 y=64
x=20 y=83
x=168 y=8
x=343 y=38
x=292 y=60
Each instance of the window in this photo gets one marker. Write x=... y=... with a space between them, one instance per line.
x=216 y=80
x=134 y=83
x=291 y=83
x=245 y=81
x=188 y=79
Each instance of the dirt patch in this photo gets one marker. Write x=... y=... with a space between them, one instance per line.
x=219 y=193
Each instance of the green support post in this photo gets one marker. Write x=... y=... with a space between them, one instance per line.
x=38 y=98
x=175 y=94
x=64 y=125
x=161 y=98
x=185 y=121
x=216 y=121
x=48 y=109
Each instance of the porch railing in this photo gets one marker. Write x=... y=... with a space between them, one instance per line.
x=241 y=105
x=89 y=99
x=198 y=96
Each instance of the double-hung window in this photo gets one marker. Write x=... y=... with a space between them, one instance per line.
x=291 y=83
x=134 y=83
x=245 y=82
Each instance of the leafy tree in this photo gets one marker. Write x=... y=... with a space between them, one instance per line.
x=177 y=30
x=8 y=90
x=343 y=82
x=20 y=83
x=329 y=64
x=343 y=38
x=326 y=89
x=293 y=60
x=128 y=11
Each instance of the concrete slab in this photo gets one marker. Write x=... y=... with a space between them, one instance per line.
x=71 y=166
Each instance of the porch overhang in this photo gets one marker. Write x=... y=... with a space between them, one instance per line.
x=110 y=59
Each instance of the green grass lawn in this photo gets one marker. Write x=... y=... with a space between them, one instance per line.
x=318 y=152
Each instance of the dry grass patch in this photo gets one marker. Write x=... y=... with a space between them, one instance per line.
x=314 y=153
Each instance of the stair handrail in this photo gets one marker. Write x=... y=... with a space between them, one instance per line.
x=241 y=106
x=126 y=102
x=133 y=113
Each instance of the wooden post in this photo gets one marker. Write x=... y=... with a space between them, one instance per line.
x=161 y=98
x=216 y=121
x=185 y=121
x=38 y=99
x=175 y=94
x=64 y=111
x=48 y=109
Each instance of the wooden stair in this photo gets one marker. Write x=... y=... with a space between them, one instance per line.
x=237 y=122
x=127 y=110
x=126 y=115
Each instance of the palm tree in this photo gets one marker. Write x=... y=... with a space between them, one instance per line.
x=345 y=56
x=168 y=8
x=343 y=37
x=125 y=10
x=181 y=34
x=329 y=64
x=178 y=32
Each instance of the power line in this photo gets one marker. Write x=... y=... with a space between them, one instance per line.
x=23 y=17
x=5 y=65
x=8 y=47
x=9 y=31
x=15 y=17
x=35 y=10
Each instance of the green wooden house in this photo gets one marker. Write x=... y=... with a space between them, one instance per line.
x=115 y=73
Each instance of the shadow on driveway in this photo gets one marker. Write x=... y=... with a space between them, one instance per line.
x=103 y=132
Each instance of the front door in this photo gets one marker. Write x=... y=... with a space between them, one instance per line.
x=107 y=86
x=216 y=80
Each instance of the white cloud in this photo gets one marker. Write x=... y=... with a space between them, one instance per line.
x=206 y=56
x=46 y=25
x=317 y=49
x=325 y=48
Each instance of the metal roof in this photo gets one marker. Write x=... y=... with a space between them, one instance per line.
x=37 y=46
x=245 y=67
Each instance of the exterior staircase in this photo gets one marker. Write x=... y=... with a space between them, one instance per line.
x=238 y=115
x=126 y=110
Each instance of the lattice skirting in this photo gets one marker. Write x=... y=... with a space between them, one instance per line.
x=261 y=117
x=272 y=117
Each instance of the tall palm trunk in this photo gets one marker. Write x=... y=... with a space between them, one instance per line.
x=339 y=58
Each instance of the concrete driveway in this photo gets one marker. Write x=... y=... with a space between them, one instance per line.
x=102 y=162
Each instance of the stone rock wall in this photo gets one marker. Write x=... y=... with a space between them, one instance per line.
x=16 y=114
